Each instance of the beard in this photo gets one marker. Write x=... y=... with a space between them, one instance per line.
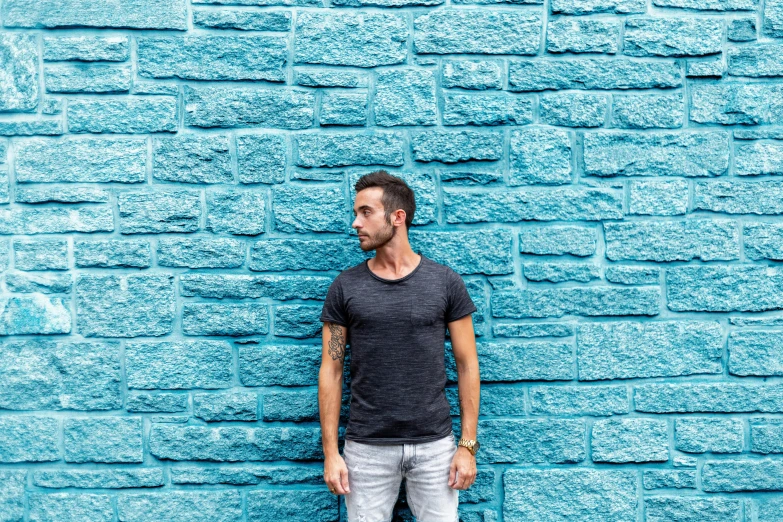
x=376 y=241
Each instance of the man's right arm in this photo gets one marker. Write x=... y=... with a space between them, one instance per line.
x=330 y=384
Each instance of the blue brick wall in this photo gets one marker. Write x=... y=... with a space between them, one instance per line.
x=175 y=199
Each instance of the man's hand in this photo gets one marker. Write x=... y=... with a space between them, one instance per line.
x=463 y=469
x=336 y=475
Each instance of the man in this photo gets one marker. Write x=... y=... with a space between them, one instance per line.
x=393 y=310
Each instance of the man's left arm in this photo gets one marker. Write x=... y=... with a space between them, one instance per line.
x=463 y=344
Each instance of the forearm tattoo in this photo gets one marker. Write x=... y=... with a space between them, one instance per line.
x=461 y=410
x=336 y=343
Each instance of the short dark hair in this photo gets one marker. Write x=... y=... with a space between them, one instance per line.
x=396 y=193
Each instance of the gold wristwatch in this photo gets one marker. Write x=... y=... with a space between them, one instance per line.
x=472 y=445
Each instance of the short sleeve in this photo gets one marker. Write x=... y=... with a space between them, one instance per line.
x=334 y=307
x=459 y=302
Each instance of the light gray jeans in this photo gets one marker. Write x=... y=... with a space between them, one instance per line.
x=376 y=471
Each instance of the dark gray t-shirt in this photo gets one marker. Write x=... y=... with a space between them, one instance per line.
x=397 y=333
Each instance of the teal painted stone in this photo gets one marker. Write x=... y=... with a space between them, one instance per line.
x=709 y=5
x=575 y=400
x=156 y=402
x=456 y=146
x=758 y=60
x=112 y=253
x=724 y=397
x=733 y=103
x=766 y=436
x=385 y=3
x=672 y=37
x=553 y=495
x=154 y=87
x=405 y=97
x=225 y=319
x=124 y=306
x=105 y=439
x=742 y=475
x=772 y=18
x=486 y=109
x=471 y=74
x=87 y=78
x=293 y=365
x=208 y=252
x=243 y=107
x=739 y=197
x=467 y=178
x=332 y=149
x=262 y=158
x=481 y=31
x=273 y=255
x=51 y=507
x=539 y=155
x=126 y=116
x=343 y=108
x=755 y=352
x=81 y=160
x=109 y=479
x=247 y=475
x=158 y=211
x=236 y=212
x=19 y=90
x=530 y=330
x=292 y=407
x=467 y=252
x=29 y=438
x=33 y=283
x=495 y=400
x=619 y=73
x=531 y=441
x=330 y=78
x=573 y=109
x=683 y=240
x=298 y=321
x=665 y=111
x=234 y=443
x=741 y=30
x=662 y=153
x=633 y=275
x=292 y=506
x=242 y=20
x=56 y=220
x=300 y=209
x=624 y=350
x=688 y=509
x=729 y=288
x=36 y=314
x=587 y=301
x=583 y=7
x=132 y=14
x=714 y=67
x=288 y=3
x=181 y=506
x=61 y=195
x=213 y=57
x=558 y=240
x=582 y=36
x=213 y=407
x=31 y=128
x=366 y=39
x=769 y=509
x=763 y=240
x=192 y=159
x=86 y=48
x=758 y=158
x=630 y=440
x=48 y=375
x=239 y=286
x=482 y=489
x=658 y=198
x=12 y=494
x=702 y=435
x=47 y=254
x=560 y=272
x=669 y=478
x=516 y=361
x=177 y=365
x=552 y=204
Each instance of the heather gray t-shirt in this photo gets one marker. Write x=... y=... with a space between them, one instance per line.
x=396 y=333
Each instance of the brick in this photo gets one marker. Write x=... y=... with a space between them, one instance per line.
x=575 y=400
x=291 y=505
x=305 y=209
x=176 y=365
x=12 y=495
x=509 y=362
x=708 y=398
x=61 y=195
x=133 y=14
x=247 y=475
x=110 y=440
x=658 y=198
x=228 y=107
x=672 y=37
x=300 y=368
x=755 y=352
x=29 y=438
x=158 y=211
x=582 y=36
x=456 y=146
x=262 y=158
x=192 y=159
x=51 y=507
x=181 y=506
x=210 y=252
x=236 y=212
x=559 y=272
x=242 y=20
x=766 y=435
x=732 y=103
x=669 y=478
x=660 y=509
x=590 y=73
x=86 y=48
x=109 y=479
x=528 y=330
x=470 y=74
x=588 y=301
x=540 y=156
x=213 y=407
x=558 y=240
x=665 y=111
x=238 y=286
x=92 y=79
x=709 y=5
x=630 y=440
x=126 y=116
x=701 y=435
x=19 y=92
x=582 y=7
x=225 y=319
x=742 y=475
x=758 y=158
x=684 y=240
x=728 y=288
x=531 y=441
x=331 y=149
x=496 y=31
x=112 y=253
x=404 y=97
x=486 y=109
x=339 y=108
x=273 y=255
x=739 y=197
x=41 y=255
x=156 y=403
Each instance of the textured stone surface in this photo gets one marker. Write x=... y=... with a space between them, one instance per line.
x=243 y=107
x=19 y=88
x=477 y=31
x=630 y=440
x=103 y=440
x=532 y=75
x=29 y=439
x=178 y=365
x=134 y=14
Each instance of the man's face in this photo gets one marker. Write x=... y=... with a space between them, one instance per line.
x=374 y=229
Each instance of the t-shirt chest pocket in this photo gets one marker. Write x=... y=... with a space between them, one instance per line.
x=426 y=310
